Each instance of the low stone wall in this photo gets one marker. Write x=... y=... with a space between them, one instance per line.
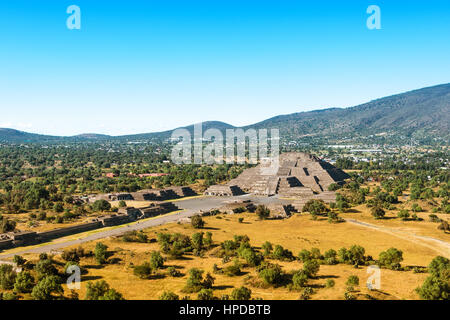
x=6 y=244
x=128 y=214
x=62 y=232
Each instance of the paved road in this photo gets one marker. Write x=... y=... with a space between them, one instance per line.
x=189 y=206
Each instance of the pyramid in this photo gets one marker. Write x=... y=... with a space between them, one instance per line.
x=298 y=175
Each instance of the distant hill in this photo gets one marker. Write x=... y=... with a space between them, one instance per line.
x=12 y=135
x=222 y=126
x=423 y=114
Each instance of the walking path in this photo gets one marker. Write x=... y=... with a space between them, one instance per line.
x=440 y=246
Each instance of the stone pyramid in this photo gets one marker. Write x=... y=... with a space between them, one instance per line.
x=297 y=174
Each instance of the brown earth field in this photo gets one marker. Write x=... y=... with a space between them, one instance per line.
x=295 y=233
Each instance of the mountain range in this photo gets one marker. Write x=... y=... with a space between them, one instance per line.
x=422 y=114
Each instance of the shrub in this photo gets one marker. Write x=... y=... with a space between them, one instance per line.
x=241 y=293
x=349 y=296
x=194 y=281
x=315 y=207
x=267 y=247
x=173 y=272
x=197 y=222
x=101 y=205
x=315 y=253
x=439 y=266
x=416 y=208
x=352 y=281
x=46 y=287
x=19 y=260
x=251 y=257
x=100 y=290
x=168 y=295
x=403 y=214
x=45 y=268
x=377 y=212
x=101 y=253
x=330 y=283
x=434 y=218
x=282 y=254
x=135 y=236
x=306 y=294
x=262 y=212
x=143 y=271
x=330 y=257
x=354 y=255
x=304 y=255
x=156 y=260
x=311 y=267
x=71 y=255
x=271 y=274
x=7 y=225
x=391 y=258
x=24 y=282
x=234 y=269
x=434 y=289
x=7 y=276
x=205 y=294
x=299 y=279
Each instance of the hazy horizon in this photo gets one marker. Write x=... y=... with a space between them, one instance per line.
x=210 y=120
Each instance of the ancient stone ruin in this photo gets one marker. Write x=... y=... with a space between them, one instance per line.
x=298 y=175
x=124 y=215
x=146 y=195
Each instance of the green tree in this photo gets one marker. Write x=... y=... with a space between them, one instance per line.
x=197 y=222
x=7 y=276
x=101 y=253
x=19 y=260
x=197 y=241
x=24 y=282
x=262 y=212
x=100 y=290
x=168 y=295
x=271 y=274
x=352 y=281
x=391 y=258
x=205 y=294
x=403 y=214
x=46 y=287
x=156 y=260
x=311 y=267
x=434 y=288
x=377 y=212
x=439 y=267
x=101 y=205
x=267 y=247
x=45 y=268
x=299 y=279
x=194 y=282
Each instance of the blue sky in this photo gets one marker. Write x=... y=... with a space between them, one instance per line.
x=140 y=66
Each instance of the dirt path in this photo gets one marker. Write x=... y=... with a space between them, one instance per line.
x=440 y=246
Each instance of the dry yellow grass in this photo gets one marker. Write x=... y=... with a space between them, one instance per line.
x=295 y=233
